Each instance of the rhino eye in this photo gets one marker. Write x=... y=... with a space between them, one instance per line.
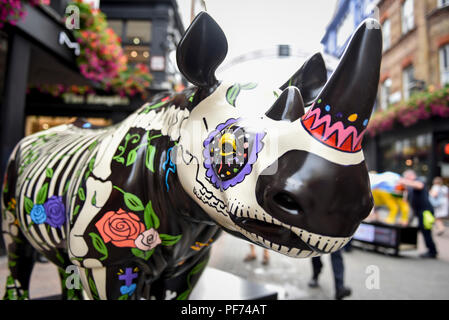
x=227 y=153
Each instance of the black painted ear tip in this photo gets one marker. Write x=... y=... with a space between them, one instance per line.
x=201 y=50
x=288 y=107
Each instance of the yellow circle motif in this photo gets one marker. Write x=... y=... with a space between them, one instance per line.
x=353 y=117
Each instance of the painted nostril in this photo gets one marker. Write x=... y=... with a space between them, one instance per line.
x=285 y=201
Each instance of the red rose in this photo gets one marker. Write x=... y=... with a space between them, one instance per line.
x=121 y=228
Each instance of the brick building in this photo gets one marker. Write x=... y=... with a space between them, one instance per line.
x=416 y=47
x=415 y=58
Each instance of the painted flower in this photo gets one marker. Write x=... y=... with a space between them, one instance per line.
x=229 y=153
x=120 y=227
x=55 y=209
x=38 y=215
x=148 y=240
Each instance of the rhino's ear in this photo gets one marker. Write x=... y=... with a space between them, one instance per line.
x=201 y=50
x=309 y=79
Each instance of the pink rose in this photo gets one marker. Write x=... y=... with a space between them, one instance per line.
x=147 y=240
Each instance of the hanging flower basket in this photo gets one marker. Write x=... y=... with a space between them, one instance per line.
x=12 y=11
x=421 y=106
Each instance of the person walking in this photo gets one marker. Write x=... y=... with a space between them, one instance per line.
x=338 y=269
x=439 y=198
x=252 y=255
x=418 y=198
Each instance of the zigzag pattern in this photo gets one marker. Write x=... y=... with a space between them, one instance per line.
x=334 y=135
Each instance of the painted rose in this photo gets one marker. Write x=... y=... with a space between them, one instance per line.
x=148 y=240
x=55 y=210
x=121 y=228
x=38 y=215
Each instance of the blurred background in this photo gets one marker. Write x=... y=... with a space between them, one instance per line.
x=54 y=68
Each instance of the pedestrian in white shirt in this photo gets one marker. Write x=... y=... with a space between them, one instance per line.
x=439 y=198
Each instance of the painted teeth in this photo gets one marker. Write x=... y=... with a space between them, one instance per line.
x=323 y=243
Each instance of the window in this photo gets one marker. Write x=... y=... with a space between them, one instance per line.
x=444 y=64
x=138 y=32
x=385 y=91
x=408 y=19
x=386 y=34
x=408 y=78
x=443 y=3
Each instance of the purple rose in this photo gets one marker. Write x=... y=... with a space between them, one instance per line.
x=55 y=209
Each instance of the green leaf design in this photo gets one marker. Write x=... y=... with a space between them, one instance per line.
x=232 y=94
x=149 y=159
x=123 y=297
x=66 y=187
x=28 y=205
x=11 y=263
x=132 y=156
x=133 y=202
x=81 y=194
x=42 y=194
x=99 y=245
x=5 y=188
x=93 y=288
x=75 y=211
x=168 y=240
x=137 y=252
x=93 y=145
x=150 y=218
x=49 y=172
x=142 y=254
x=94 y=199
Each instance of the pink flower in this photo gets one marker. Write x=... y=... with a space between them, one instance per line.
x=148 y=240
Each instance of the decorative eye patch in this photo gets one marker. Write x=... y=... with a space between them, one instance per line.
x=229 y=153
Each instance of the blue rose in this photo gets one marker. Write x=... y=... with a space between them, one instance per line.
x=38 y=215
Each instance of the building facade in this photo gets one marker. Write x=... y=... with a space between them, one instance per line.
x=415 y=58
x=347 y=16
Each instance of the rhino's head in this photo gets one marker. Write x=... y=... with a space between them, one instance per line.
x=282 y=168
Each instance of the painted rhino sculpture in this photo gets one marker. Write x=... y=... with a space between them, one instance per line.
x=136 y=206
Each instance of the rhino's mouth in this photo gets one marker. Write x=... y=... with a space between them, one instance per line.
x=288 y=240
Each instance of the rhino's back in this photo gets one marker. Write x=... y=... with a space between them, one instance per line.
x=49 y=166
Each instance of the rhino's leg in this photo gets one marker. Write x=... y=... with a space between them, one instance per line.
x=70 y=282
x=116 y=282
x=20 y=252
x=180 y=287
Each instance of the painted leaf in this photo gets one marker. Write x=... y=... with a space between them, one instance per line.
x=81 y=194
x=66 y=187
x=149 y=160
x=75 y=211
x=133 y=202
x=184 y=295
x=138 y=253
x=28 y=205
x=145 y=255
x=150 y=217
x=94 y=199
x=99 y=245
x=232 y=94
x=42 y=194
x=169 y=240
x=123 y=297
x=93 y=288
x=49 y=172
x=132 y=156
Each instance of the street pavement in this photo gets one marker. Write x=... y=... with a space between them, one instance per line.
x=405 y=277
